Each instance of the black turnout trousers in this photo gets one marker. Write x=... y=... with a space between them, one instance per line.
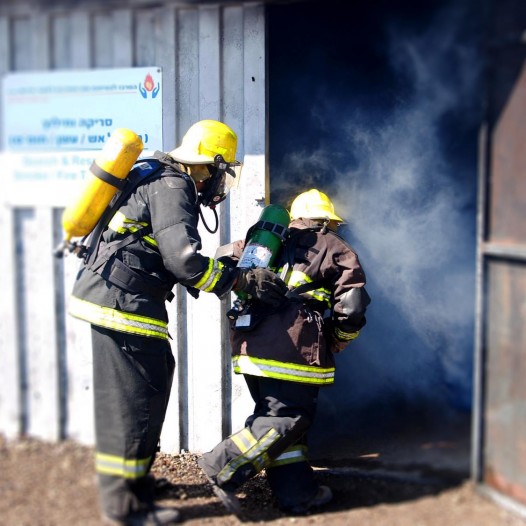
x=282 y=415
x=132 y=377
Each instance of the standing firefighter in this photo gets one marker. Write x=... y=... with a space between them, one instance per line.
x=288 y=355
x=129 y=269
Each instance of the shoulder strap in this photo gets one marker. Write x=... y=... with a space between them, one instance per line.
x=291 y=241
x=278 y=230
x=117 y=272
x=288 y=262
x=143 y=171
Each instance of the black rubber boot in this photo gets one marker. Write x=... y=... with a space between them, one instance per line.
x=155 y=516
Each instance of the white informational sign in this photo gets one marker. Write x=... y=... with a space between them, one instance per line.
x=46 y=178
x=54 y=122
x=77 y=110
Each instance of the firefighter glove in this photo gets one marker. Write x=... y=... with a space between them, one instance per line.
x=261 y=284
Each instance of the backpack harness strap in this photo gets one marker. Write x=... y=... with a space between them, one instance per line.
x=289 y=251
x=275 y=228
x=105 y=176
x=100 y=257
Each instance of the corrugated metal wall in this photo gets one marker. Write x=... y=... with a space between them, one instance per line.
x=500 y=401
x=213 y=63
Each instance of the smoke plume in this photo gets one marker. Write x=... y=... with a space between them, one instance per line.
x=388 y=129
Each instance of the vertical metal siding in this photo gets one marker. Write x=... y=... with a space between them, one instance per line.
x=205 y=393
x=101 y=40
x=21 y=47
x=60 y=34
x=499 y=461
x=233 y=113
x=506 y=390
x=81 y=46
x=10 y=399
x=122 y=38
x=213 y=62
x=187 y=85
x=74 y=335
x=164 y=39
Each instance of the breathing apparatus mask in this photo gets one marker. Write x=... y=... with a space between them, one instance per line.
x=211 y=143
x=223 y=177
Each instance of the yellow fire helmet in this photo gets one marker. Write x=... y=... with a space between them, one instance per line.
x=203 y=141
x=313 y=204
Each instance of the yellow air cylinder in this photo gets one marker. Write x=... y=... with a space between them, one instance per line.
x=116 y=159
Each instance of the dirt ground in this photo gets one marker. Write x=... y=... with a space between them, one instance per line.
x=44 y=484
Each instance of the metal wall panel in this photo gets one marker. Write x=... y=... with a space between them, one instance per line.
x=101 y=40
x=499 y=444
x=80 y=46
x=505 y=392
x=233 y=111
x=213 y=62
x=21 y=49
x=507 y=215
x=10 y=400
x=205 y=393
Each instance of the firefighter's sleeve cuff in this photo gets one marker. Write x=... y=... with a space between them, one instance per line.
x=345 y=336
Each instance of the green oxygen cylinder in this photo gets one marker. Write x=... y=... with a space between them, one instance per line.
x=264 y=240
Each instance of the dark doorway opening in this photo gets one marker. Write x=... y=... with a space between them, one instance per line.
x=379 y=105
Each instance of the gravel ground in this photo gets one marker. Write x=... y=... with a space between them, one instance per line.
x=46 y=484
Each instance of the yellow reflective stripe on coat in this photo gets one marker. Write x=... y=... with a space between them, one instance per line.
x=122 y=225
x=291 y=372
x=210 y=278
x=256 y=455
x=345 y=336
x=298 y=278
x=297 y=453
x=121 y=467
x=117 y=320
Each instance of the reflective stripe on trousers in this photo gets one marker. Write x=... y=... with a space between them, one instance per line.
x=253 y=452
x=121 y=467
x=117 y=320
x=296 y=453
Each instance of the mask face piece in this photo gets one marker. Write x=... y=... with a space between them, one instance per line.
x=223 y=177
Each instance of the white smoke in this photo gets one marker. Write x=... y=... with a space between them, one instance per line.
x=407 y=202
x=409 y=207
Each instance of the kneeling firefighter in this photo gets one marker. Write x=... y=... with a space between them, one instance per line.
x=288 y=355
x=130 y=266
